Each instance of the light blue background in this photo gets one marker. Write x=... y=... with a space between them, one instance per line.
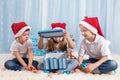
x=39 y=14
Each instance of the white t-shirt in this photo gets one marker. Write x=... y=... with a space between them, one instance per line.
x=96 y=49
x=22 y=48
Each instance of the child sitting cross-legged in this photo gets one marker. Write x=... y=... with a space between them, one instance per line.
x=96 y=47
x=59 y=44
x=21 y=48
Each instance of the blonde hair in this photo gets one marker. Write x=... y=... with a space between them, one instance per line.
x=51 y=45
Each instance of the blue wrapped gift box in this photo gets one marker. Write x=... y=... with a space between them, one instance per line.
x=51 y=33
x=55 y=61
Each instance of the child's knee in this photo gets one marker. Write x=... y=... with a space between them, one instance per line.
x=113 y=64
x=8 y=64
x=75 y=62
x=40 y=66
x=35 y=64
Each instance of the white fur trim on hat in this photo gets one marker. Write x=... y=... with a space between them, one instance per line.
x=88 y=26
x=59 y=28
x=20 y=32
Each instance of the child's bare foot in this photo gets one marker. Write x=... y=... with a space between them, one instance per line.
x=35 y=71
x=4 y=69
x=72 y=71
x=96 y=73
x=77 y=70
x=51 y=75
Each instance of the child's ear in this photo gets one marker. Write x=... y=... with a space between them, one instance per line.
x=79 y=24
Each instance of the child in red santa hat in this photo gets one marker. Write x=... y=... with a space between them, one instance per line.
x=62 y=44
x=96 y=47
x=21 y=48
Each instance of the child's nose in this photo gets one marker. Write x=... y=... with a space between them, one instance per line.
x=82 y=33
x=27 y=37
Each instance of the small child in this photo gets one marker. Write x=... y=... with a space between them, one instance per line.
x=21 y=48
x=96 y=46
x=59 y=44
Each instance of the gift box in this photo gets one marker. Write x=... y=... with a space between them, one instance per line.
x=51 y=33
x=55 y=61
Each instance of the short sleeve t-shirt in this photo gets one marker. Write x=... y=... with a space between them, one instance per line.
x=22 y=48
x=96 y=49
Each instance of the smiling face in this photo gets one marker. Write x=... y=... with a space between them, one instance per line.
x=58 y=39
x=86 y=33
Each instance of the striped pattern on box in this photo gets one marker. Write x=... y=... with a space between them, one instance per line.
x=54 y=63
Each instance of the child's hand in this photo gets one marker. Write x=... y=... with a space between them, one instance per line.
x=32 y=68
x=41 y=37
x=79 y=65
x=35 y=70
x=89 y=68
x=69 y=54
x=66 y=35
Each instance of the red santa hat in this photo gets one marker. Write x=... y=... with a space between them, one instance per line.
x=92 y=24
x=59 y=25
x=19 y=28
